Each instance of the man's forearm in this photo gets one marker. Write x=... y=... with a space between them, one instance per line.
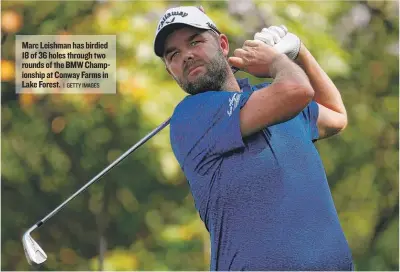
x=325 y=90
x=284 y=70
x=289 y=94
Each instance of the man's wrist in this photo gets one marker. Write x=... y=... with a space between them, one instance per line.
x=302 y=55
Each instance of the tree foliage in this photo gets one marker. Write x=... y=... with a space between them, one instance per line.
x=141 y=216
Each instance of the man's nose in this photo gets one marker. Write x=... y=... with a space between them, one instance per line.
x=188 y=55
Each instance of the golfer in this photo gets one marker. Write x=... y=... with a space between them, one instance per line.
x=248 y=151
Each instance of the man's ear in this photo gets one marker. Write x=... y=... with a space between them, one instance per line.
x=224 y=44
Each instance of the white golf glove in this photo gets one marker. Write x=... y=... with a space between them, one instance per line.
x=282 y=40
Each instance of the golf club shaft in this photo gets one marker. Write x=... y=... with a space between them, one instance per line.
x=108 y=168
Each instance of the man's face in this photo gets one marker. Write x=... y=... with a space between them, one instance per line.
x=196 y=59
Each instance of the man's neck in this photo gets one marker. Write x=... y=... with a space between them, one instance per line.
x=231 y=84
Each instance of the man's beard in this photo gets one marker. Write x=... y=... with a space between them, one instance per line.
x=213 y=80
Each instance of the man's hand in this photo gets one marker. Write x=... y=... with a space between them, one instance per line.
x=282 y=40
x=255 y=57
x=332 y=117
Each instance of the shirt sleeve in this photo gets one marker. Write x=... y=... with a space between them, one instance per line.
x=310 y=117
x=205 y=126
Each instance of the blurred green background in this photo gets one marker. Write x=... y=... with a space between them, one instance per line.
x=141 y=215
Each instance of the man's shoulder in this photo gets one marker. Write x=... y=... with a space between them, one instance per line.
x=203 y=103
x=190 y=102
x=198 y=103
x=190 y=107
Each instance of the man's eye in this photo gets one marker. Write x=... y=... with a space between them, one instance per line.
x=194 y=43
x=173 y=55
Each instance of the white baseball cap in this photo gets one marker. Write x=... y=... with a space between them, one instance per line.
x=173 y=17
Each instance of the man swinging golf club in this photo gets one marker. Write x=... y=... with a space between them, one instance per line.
x=248 y=151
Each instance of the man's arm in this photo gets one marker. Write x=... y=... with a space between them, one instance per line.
x=286 y=97
x=332 y=113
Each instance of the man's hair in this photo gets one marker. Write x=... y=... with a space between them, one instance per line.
x=214 y=34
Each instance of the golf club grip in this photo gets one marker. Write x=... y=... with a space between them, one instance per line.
x=105 y=170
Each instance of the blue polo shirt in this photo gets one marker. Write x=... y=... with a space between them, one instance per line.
x=264 y=199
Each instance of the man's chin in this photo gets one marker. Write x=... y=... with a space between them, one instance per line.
x=194 y=88
x=202 y=83
x=203 y=87
x=192 y=91
x=197 y=91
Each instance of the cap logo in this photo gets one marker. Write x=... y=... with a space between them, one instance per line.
x=169 y=14
x=211 y=25
x=170 y=21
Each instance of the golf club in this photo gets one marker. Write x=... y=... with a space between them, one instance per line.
x=34 y=253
